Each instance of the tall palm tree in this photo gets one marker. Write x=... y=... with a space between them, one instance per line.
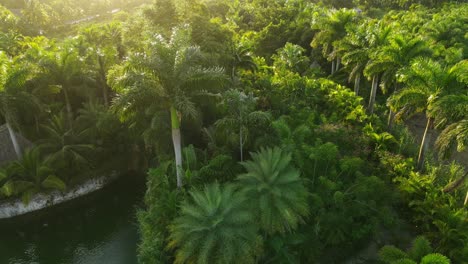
x=427 y=82
x=63 y=69
x=171 y=73
x=379 y=38
x=355 y=48
x=395 y=58
x=14 y=98
x=62 y=145
x=358 y=49
x=332 y=28
x=275 y=190
x=241 y=115
x=215 y=226
x=452 y=115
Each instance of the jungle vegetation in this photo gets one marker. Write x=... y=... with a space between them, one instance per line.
x=269 y=131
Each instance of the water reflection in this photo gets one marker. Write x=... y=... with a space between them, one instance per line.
x=98 y=229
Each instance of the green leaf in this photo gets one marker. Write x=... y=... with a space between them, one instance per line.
x=53 y=182
x=435 y=258
x=3 y=174
x=27 y=195
x=8 y=188
x=390 y=254
x=421 y=247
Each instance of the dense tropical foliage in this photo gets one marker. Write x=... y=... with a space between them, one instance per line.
x=269 y=131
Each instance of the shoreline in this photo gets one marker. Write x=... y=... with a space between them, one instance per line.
x=16 y=207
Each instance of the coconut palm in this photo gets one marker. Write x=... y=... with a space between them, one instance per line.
x=215 y=226
x=275 y=190
x=169 y=75
x=427 y=82
x=241 y=115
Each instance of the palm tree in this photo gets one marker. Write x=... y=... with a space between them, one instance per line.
x=427 y=82
x=332 y=29
x=291 y=57
x=62 y=68
x=215 y=226
x=355 y=48
x=29 y=176
x=241 y=115
x=10 y=42
x=275 y=190
x=379 y=38
x=62 y=145
x=14 y=98
x=171 y=75
x=358 y=49
x=452 y=115
x=394 y=58
x=241 y=59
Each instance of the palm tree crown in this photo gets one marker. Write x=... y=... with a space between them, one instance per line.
x=215 y=227
x=275 y=190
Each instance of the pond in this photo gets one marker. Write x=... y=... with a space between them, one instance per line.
x=97 y=229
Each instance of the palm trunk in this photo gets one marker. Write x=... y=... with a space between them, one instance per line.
x=68 y=107
x=176 y=140
x=391 y=114
x=375 y=84
x=357 y=82
x=14 y=140
x=333 y=67
x=466 y=198
x=233 y=72
x=338 y=62
x=391 y=119
x=102 y=76
x=241 y=143
x=425 y=143
x=104 y=95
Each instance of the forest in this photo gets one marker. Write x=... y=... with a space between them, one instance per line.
x=287 y=131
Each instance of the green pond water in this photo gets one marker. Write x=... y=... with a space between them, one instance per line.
x=99 y=228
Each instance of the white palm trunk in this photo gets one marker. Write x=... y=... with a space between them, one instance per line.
x=425 y=143
x=375 y=84
x=68 y=107
x=178 y=155
x=241 y=144
x=176 y=141
x=357 y=82
x=466 y=198
x=14 y=140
